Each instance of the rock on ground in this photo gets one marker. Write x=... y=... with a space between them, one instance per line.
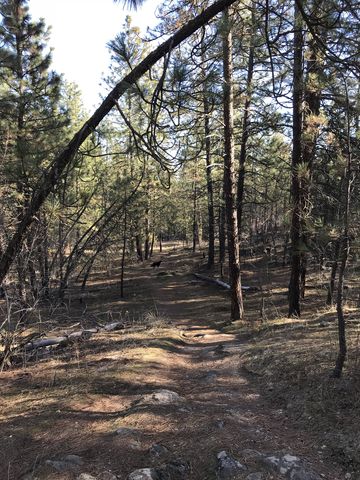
x=158 y=450
x=255 y=476
x=68 y=462
x=162 y=397
x=143 y=474
x=125 y=431
x=228 y=468
x=86 y=476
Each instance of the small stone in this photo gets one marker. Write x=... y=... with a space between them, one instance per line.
x=290 y=459
x=177 y=469
x=124 y=431
x=164 y=397
x=86 y=476
x=249 y=454
x=255 y=476
x=185 y=409
x=69 y=462
x=135 y=445
x=228 y=467
x=347 y=476
x=303 y=474
x=220 y=424
x=287 y=463
x=107 y=476
x=143 y=474
x=158 y=450
x=210 y=377
x=74 y=459
x=271 y=462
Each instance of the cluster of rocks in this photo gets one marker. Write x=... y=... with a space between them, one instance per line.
x=253 y=465
x=286 y=465
x=74 y=464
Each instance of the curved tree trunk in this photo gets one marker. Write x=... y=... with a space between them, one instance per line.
x=52 y=176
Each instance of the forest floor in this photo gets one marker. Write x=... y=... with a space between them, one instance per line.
x=256 y=386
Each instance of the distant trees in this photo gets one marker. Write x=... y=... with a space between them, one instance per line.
x=31 y=122
x=237 y=139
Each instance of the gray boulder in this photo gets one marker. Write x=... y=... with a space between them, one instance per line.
x=228 y=468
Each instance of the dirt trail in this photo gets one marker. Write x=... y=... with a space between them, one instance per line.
x=92 y=396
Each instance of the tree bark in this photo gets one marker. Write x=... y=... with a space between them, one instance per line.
x=209 y=182
x=52 y=176
x=246 y=123
x=295 y=233
x=344 y=251
x=237 y=309
x=139 y=248
x=123 y=255
x=334 y=267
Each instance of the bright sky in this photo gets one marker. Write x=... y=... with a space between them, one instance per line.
x=80 y=31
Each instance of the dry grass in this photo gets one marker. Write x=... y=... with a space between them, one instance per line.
x=74 y=398
x=292 y=364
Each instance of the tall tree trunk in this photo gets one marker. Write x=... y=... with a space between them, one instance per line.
x=295 y=233
x=30 y=243
x=52 y=176
x=43 y=258
x=138 y=248
x=147 y=222
x=209 y=181
x=334 y=267
x=312 y=93
x=152 y=244
x=344 y=251
x=123 y=255
x=246 y=122
x=160 y=242
x=222 y=231
x=237 y=308
x=195 y=225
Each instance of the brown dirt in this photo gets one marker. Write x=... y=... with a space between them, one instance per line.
x=73 y=402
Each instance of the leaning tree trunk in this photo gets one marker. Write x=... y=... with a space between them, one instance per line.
x=52 y=176
x=295 y=233
x=237 y=309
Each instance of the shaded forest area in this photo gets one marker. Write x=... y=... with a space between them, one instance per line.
x=230 y=134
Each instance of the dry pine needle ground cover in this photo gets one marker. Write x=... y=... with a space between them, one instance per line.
x=262 y=385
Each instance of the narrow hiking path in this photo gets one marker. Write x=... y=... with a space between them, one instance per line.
x=113 y=402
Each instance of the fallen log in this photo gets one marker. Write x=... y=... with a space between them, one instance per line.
x=222 y=284
x=45 y=342
x=114 y=326
x=71 y=337
x=212 y=280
